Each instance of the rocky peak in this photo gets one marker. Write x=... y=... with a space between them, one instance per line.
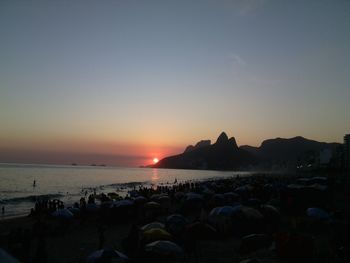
x=232 y=142
x=222 y=138
x=200 y=144
x=189 y=148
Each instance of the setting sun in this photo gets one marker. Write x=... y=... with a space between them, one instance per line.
x=155 y=160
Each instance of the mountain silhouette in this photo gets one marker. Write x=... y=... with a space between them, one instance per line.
x=225 y=154
x=288 y=150
x=199 y=144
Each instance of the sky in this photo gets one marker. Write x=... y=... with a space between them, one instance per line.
x=122 y=81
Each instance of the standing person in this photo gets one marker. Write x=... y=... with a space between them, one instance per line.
x=34 y=183
x=101 y=238
x=3 y=210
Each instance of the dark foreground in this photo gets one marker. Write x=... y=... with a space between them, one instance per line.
x=262 y=218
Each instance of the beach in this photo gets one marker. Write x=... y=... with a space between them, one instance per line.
x=68 y=183
x=75 y=239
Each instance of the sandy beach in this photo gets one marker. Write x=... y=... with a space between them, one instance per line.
x=73 y=240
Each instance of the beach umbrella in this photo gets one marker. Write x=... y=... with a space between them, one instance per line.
x=208 y=192
x=176 y=223
x=106 y=255
x=113 y=195
x=165 y=248
x=140 y=200
x=93 y=208
x=153 y=225
x=164 y=198
x=254 y=242
x=221 y=217
x=250 y=213
x=6 y=257
x=243 y=189
x=268 y=187
x=74 y=210
x=133 y=193
x=201 y=231
x=318 y=187
x=176 y=219
x=317 y=213
x=152 y=205
x=106 y=204
x=218 y=199
x=164 y=201
x=193 y=200
x=270 y=212
x=246 y=220
x=156 y=234
x=295 y=186
x=231 y=196
x=253 y=202
x=250 y=260
x=225 y=211
x=155 y=197
x=63 y=213
x=194 y=197
x=179 y=195
x=122 y=203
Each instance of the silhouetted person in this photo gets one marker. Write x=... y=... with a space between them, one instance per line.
x=101 y=237
x=34 y=183
x=3 y=210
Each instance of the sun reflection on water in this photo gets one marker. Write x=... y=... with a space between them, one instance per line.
x=155 y=176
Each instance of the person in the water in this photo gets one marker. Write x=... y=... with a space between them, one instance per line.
x=34 y=183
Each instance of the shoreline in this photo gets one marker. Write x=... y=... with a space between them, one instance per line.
x=129 y=186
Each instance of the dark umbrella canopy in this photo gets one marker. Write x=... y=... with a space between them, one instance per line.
x=231 y=197
x=165 y=248
x=176 y=219
x=270 y=213
x=152 y=205
x=152 y=226
x=63 y=213
x=176 y=223
x=317 y=213
x=139 y=200
x=7 y=258
x=106 y=256
x=253 y=202
x=201 y=231
x=218 y=199
x=155 y=234
x=122 y=203
x=254 y=242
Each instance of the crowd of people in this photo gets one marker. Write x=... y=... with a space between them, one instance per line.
x=46 y=206
x=288 y=212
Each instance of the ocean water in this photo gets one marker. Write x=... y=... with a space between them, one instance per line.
x=69 y=183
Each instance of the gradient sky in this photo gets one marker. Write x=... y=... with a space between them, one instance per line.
x=123 y=81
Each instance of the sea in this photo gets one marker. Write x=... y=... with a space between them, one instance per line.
x=69 y=183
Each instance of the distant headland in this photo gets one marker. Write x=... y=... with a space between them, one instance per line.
x=273 y=154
